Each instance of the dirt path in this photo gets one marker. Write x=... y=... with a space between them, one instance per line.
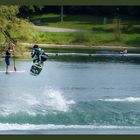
x=55 y=29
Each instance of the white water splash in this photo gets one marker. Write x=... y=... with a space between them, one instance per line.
x=127 y=99
x=7 y=126
x=55 y=100
x=33 y=104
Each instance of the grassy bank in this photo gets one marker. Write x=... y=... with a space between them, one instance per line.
x=86 y=38
x=98 y=31
x=97 y=34
x=82 y=49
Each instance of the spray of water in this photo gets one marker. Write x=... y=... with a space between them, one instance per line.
x=46 y=101
x=127 y=99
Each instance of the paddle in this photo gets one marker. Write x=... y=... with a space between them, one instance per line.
x=15 y=69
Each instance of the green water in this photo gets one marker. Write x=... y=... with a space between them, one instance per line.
x=72 y=92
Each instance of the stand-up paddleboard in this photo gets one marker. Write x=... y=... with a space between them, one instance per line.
x=36 y=69
x=20 y=71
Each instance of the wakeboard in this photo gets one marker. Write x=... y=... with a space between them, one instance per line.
x=36 y=69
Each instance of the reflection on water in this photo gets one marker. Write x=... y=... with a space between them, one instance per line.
x=89 y=58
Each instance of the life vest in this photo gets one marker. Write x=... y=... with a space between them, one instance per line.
x=8 y=54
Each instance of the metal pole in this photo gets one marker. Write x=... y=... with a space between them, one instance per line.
x=61 y=13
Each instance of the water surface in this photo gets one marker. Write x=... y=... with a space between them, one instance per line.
x=72 y=95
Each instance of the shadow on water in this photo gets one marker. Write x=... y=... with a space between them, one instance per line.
x=90 y=58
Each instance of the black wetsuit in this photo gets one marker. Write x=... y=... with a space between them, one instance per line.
x=7 y=57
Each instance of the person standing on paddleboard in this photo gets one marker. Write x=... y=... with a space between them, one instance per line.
x=7 y=57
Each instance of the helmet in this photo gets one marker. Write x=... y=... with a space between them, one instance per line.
x=35 y=46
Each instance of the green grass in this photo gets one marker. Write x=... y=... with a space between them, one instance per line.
x=71 y=21
x=86 y=22
x=89 y=39
x=102 y=34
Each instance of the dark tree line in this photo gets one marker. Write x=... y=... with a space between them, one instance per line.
x=128 y=11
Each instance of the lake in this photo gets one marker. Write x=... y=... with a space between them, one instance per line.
x=72 y=95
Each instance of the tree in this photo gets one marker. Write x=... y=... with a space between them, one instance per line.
x=7 y=15
x=10 y=24
x=7 y=20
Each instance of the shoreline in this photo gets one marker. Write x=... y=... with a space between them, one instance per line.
x=75 y=46
x=72 y=48
x=26 y=56
x=66 y=50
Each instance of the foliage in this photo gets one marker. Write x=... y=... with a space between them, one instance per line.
x=81 y=37
x=108 y=11
x=19 y=29
x=7 y=15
